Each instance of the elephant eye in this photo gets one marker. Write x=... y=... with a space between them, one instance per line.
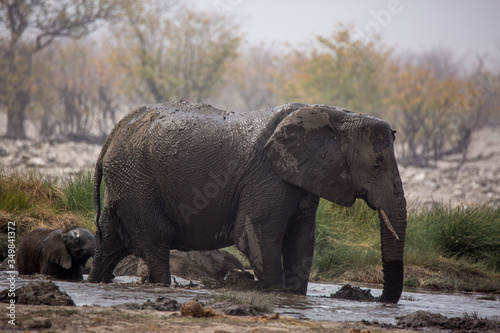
x=377 y=168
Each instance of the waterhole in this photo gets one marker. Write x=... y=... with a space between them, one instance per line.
x=317 y=305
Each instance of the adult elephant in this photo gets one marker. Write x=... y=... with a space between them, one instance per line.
x=191 y=177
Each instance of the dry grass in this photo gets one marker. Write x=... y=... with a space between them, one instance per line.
x=32 y=200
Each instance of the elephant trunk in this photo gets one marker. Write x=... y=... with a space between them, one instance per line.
x=393 y=231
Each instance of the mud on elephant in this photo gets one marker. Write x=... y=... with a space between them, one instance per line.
x=191 y=177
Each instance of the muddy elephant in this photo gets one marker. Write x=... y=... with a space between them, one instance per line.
x=191 y=177
x=61 y=253
x=192 y=265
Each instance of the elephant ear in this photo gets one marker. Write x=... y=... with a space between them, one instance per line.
x=55 y=250
x=307 y=151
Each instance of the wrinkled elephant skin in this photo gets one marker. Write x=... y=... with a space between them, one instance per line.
x=191 y=177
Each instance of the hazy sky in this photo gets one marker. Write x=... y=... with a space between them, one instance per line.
x=469 y=27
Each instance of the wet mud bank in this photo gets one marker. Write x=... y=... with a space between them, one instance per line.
x=130 y=305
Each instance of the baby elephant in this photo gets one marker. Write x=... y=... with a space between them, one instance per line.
x=61 y=253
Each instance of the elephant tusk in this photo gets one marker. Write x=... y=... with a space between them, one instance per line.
x=388 y=223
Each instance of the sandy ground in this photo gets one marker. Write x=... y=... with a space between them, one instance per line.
x=99 y=319
x=451 y=181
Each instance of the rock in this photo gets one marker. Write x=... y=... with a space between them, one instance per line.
x=193 y=308
x=354 y=293
x=161 y=304
x=38 y=293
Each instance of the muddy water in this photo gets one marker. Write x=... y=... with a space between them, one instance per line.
x=316 y=305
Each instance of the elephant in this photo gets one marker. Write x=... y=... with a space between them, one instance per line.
x=188 y=176
x=61 y=253
x=192 y=265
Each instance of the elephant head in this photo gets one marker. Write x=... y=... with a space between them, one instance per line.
x=65 y=247
x=341 y=156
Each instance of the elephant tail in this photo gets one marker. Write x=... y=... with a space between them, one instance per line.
x=97 y=194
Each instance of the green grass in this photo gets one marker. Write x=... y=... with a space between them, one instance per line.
x=451 y=248
x=78 y=196
x=347 y=241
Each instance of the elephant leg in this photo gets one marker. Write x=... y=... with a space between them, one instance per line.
x=258 y=233
x=156 y=247
x=110 y=250
x=298 y=247
x=158 y=261
x=298 y=251
x=264 y=257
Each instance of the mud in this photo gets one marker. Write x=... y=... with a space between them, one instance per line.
x=354 y=293
x=101 y=319
x=38 y=293
x=231 y=309
x=424 y=319
x=161 y=304
x=241 y=280
x=116 y=313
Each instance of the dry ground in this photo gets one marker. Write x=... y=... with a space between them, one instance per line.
x=99 y=319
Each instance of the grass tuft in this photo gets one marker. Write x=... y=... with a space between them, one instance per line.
x=259 y=301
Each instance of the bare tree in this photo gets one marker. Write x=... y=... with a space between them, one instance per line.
x=441 y=62
x=251 y=82
x=77 y=91
x=26 y=28
x=182 y=56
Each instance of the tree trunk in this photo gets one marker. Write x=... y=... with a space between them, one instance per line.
x=17 y=115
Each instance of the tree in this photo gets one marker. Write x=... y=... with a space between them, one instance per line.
x=338 y=70
x=76 y=91
x=436 y=106
x=251 y=81
x=181 y=56
x=29 y=26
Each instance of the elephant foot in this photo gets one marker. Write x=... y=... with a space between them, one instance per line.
x=100 y=278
